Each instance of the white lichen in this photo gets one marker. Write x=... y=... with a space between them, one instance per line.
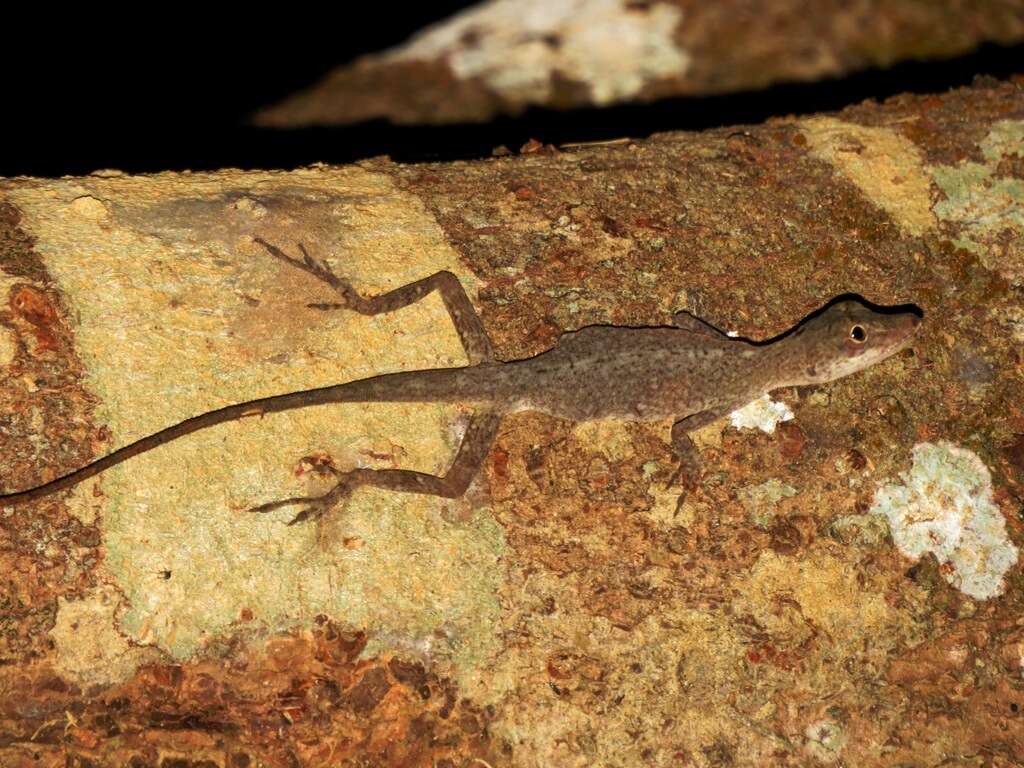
x=763 y=413
x=945 y=507
x=519 y=46
x=824 y=740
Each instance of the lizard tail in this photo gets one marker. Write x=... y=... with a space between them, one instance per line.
x=436 y=385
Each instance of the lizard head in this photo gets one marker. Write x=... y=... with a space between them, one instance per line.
x=846 y=336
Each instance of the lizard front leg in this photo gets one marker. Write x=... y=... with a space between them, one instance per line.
x=473 y=450
x=460 y=308
x=682 y=446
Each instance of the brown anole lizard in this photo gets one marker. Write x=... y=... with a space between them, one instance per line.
x=689 y=371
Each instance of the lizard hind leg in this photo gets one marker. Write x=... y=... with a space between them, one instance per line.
x=473 y=450
x=464 y=317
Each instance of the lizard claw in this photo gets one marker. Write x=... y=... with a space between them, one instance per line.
x=311 y=263
x=306 y=514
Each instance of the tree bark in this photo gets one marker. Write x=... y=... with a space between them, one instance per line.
x=571 y=609
x=505 y=56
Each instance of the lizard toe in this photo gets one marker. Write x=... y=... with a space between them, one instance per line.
x=270 y=506
x=314 y=506
x=304 y=515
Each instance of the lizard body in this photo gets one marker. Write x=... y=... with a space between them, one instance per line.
x=689 y=371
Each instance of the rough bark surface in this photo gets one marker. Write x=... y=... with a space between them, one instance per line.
x=571 y=610
x=504 y=56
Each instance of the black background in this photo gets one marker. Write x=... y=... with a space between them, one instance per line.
x=174 y=93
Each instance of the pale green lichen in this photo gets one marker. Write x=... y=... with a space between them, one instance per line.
x=982 y=203
x=861 y=530
x=987 y=209
x=1004 y=139
x=761 y=500
x=944 y=506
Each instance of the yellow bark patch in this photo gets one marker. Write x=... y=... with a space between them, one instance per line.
x=177 y=312
x=90 y=650
x=794 y=599
x=884 y=165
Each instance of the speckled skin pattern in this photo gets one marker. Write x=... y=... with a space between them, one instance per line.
x=657 y=373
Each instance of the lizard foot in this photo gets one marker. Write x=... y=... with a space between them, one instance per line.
x=319 y=269
x=687 y=471
x=685 y=476
x=312 y=506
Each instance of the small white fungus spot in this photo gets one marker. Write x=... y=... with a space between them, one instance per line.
x=945 y=507
x=763 y=413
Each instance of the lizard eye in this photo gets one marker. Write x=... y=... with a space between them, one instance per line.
x=858 y=334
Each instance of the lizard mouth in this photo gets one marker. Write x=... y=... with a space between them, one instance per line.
x=901 y=332
x=911 y=325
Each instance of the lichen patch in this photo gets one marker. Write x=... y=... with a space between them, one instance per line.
x=670 y=669
x=8 y=346
x=1004 y=139
x=762 y=499
x=944 y=506
x=824 y=740
x=793 y=599
x=984 y=207
x=520 y=48
x=764 y=414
